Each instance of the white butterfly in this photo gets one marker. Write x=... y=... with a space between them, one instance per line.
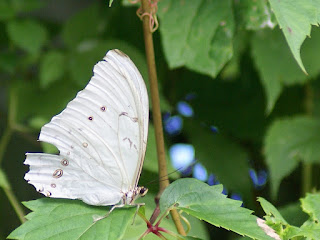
x=101 y=136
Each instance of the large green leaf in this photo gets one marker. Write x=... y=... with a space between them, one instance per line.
x=201 y=36
x=221 y=156
x=295 y=18
x=209 y=204
x=27 y=34
x=71 y=219
x=289 y=141
x=277 y=68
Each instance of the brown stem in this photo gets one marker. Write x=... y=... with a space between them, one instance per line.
x=162 y=164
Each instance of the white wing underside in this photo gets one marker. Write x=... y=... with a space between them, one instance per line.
x=101 y=136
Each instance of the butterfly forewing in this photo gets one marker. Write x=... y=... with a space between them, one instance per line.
x=101 y=136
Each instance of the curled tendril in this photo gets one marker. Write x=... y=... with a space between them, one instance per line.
x=153 y=20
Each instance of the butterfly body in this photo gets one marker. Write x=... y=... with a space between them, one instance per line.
x=101 y=136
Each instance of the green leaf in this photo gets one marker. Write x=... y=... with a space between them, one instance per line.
x=201 y=37
x=277 y=68
x=221 y=156
x=254 y=15
x=295 y=18
x=293 y=213
x=52 y=68
x=273 y=214
x=27 y=34
x=84 y=25
x=277 y=222
x=309 y=230
x=3 y=180
x=289 y=141
x=311 y=205
x=72 y=219
x=208 y=203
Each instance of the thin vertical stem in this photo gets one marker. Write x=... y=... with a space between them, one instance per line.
x=162 y=164
x=15 y=204
x=5 y=139
x=307 y=167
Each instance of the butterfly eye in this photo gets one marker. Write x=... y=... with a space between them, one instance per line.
x=143 y=191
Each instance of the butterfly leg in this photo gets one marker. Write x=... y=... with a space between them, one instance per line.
x=98 y=218
x=138 y=205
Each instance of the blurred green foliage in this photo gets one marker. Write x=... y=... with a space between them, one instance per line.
x=245 y=79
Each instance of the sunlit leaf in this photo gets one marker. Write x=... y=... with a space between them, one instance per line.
x=71 y=219
x=311 y=205
x=209 y=204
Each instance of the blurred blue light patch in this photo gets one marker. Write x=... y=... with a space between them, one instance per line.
x=225 y=191
x=181 y=155
x=260 y=179
x=173 y=125
x=186 y=171
x=211 y=179
x=199 y=172
x=185 y=109
x=236 y=196
x=214 y=129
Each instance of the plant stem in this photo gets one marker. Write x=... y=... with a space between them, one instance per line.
x=5 y=139
x=15 y=204
x=306 y=178
x=162 y=164
x=307 y=167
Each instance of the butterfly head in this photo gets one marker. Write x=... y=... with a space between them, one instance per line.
x=143 y=191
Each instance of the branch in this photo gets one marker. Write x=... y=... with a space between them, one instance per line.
x=162 y=164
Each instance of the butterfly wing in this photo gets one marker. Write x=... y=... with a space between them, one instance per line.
x=101 y=137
